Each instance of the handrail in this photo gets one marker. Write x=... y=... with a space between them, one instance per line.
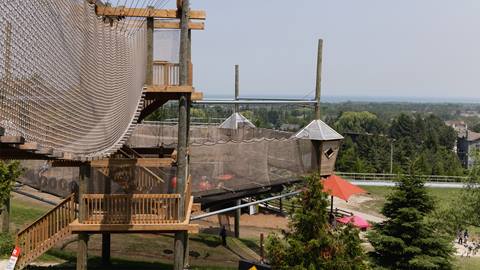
x=46 y=231
x=394 y=177
x=187 y=194
x=67 y=199
x=166 y=73
x=131 y=209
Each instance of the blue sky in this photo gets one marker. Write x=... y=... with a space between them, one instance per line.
x=418 y=48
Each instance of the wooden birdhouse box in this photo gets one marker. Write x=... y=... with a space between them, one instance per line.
x=326 y=144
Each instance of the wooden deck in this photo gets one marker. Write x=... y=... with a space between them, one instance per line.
x=138 y=213
x=77 y=227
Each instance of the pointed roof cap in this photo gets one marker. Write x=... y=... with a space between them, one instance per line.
x=236 y=120
x=318 y=130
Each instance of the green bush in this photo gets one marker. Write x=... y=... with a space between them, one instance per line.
x=6 y=244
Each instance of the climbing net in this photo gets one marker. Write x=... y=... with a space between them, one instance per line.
x=68 y=80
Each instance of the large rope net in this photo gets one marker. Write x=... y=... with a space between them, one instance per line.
x=221 y=161
x=68 y=80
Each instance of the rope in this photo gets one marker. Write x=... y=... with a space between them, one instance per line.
x=68 y=81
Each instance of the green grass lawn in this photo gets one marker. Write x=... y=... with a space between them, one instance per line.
x=442 y=196
x=24 y=213
x=468 y=263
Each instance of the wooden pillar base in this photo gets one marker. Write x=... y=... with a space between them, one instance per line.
x=179 y=251
x=82 y=253
x=238 y=213
x=106 y=240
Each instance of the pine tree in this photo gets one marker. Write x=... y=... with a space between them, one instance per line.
x=406 y=240
x=311 y=243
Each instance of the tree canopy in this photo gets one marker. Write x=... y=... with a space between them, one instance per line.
x=9 y=172
x=406 y=240
x=311 y=243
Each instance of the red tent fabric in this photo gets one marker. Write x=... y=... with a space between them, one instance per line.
x=355 y=221
x=340 y=188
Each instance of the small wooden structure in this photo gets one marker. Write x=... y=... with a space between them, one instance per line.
x=327 y=144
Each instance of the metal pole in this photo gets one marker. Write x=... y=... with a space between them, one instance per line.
x=391 y=157
x=256 y=101
x=229 y=209
x=237 y=87
x=319 y=79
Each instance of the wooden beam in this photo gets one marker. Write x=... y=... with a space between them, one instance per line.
x=196 y=207
x=197 y=96
x=77 y=227
x=146 y=12
x=44 y=151
x=28 y=146
x=169 y=89
x=12 y=139
x=145 y=162
x=176 y=25
x=66 y=163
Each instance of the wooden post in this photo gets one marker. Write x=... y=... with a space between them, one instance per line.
x=82 y=252
x=150 y=28
x=238 y=213
x=106 y=237
x=179 y=251
x=319 y=79
x=280 y=204
x=183 y=114
x=237 y=87
x=262 y=257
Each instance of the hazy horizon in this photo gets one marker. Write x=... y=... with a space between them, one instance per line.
x=404 y=48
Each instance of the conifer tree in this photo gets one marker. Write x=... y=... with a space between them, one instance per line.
x=406 y=240
x=311 y=243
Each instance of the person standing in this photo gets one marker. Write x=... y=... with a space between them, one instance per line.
x=223 y=234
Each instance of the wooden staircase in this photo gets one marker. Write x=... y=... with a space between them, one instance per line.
x=45 y=232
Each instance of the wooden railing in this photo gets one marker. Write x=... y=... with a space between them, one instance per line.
x=188 y=194
x=133 y=179
x=165 y=73
x=45 y=232
x=130 y=209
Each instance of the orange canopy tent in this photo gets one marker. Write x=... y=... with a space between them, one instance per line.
x=340 y=188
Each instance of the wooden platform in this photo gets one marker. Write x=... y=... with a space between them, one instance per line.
x=77 y=227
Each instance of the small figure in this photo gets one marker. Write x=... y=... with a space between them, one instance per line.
x=465 y=236
x=459 y=237
x=223 y=234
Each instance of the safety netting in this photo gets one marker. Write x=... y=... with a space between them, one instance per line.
x=221 y=161
x=69 y=80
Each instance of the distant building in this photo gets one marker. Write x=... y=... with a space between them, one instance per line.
x=466 y=145
x=289 y=127
x=459 y=126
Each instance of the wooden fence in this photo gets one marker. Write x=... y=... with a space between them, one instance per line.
x=130 y=209
x=165 y=73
